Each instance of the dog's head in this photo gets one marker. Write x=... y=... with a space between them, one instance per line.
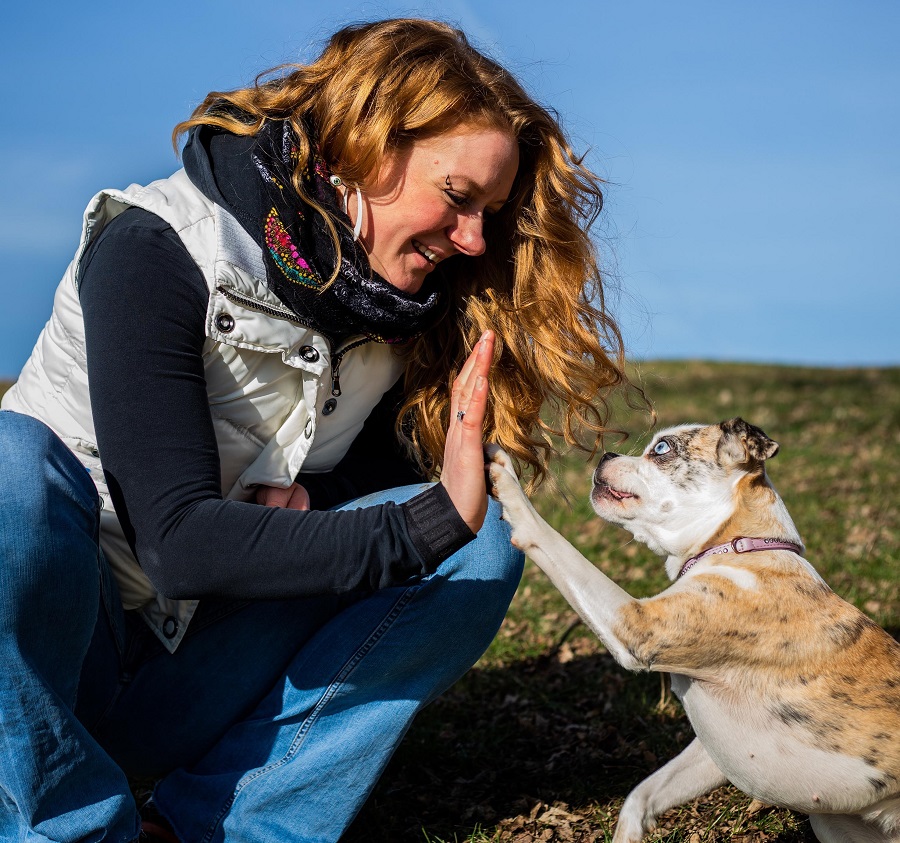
x=685 y=485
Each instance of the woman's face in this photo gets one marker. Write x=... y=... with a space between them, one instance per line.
x=428 y=202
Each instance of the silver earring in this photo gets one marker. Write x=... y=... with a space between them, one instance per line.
x=357 y=226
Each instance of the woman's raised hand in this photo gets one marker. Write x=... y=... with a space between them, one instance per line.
x=463 y=471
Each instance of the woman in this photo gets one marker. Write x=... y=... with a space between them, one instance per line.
x=251 y=592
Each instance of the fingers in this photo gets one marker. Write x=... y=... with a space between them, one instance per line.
x=476 y=409
x=299 y=498
x=487 y=338
x=271 y=496
x=463 y=471
x=294 y=496
x=470 y=389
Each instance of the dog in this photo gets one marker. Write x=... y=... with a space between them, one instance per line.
x=793 y=694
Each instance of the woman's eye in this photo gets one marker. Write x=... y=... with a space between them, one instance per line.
x=661 y=447
x=458 y=199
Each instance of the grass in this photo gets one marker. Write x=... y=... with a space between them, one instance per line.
x=543 y=739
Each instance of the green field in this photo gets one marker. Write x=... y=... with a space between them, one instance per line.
x=544 y=737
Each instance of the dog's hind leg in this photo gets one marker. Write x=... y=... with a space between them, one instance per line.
x=843 y=828
x=685 y=777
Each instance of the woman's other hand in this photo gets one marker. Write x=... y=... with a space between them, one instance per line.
x=293 y=497
x=463 y=471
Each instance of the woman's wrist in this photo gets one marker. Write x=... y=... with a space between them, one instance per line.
x=436 y=528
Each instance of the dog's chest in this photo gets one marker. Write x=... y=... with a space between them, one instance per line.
x=774 y=761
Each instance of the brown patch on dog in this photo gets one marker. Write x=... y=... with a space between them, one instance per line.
x=698 y=444
x=819 y=664
x=752 y=512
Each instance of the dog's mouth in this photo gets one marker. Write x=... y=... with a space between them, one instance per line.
x=602 y=489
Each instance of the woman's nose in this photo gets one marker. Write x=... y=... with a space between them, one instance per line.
x=468 y=235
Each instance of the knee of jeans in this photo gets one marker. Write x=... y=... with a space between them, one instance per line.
x=48 y=513
x=36 y=461
x=470 y=595
x=492 y=561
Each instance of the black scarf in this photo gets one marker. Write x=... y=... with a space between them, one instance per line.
x=298 y=247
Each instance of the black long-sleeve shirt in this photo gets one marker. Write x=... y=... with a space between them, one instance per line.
x=144 y=303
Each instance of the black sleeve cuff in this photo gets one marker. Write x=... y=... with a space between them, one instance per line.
x=435 y=526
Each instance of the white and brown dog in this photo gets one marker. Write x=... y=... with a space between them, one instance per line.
x=793 y=694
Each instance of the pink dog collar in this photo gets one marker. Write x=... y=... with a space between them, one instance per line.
x=740 y=545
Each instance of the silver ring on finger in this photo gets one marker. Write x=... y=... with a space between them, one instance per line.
x=460 y=415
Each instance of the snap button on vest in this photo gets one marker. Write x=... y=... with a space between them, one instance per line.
x=328 y=407
x=170 y=627
x=309 y=354
x=307 y=430
x=225 y=323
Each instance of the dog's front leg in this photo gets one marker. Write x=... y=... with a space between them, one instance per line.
x=595 y=597
x=685 y=777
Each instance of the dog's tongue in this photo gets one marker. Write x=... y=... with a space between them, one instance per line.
x=618 y=494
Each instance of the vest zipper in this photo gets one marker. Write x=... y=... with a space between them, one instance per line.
x=268 y=309
x=283 y=313
x=336 y=359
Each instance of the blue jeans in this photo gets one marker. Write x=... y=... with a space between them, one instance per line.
x=271 y=722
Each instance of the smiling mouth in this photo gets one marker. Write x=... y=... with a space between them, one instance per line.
x=425 y=252
x=604 y=490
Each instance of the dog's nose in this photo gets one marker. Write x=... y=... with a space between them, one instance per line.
x=603 y=460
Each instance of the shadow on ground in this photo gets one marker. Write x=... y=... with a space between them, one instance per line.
x=508 y=743
x=546 y=739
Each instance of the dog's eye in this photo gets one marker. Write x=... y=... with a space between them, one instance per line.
x=661 y=447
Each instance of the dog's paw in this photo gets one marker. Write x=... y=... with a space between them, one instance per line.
x=517 y=510
x=630 y=830
x=504 y=481
x=634 y=822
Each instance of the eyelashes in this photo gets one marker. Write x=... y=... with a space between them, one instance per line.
x=462 y=200
x=458 y=199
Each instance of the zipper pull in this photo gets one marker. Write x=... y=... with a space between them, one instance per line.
x=336 y=359
x=336 y=374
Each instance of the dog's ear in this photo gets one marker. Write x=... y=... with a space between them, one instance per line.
x=742 y=443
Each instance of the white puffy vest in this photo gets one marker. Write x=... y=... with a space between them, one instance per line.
x=268 y=377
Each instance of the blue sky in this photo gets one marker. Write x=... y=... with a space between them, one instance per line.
x=751 y=149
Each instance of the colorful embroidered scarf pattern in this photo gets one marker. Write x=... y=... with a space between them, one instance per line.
x=300 y=253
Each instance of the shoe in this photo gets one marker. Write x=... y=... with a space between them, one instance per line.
x=155 y=827
x=154 y=832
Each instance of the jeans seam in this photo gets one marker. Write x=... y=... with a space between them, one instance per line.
x=333 y=687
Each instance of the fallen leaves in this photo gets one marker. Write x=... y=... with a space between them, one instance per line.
x=548 y=823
